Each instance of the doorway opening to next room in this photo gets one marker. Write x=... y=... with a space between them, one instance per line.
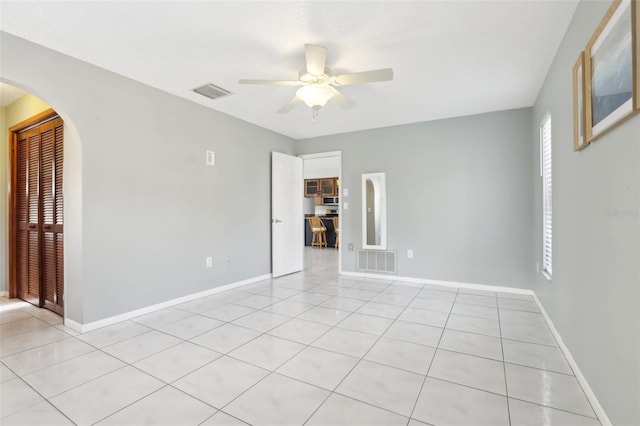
x=322 y=208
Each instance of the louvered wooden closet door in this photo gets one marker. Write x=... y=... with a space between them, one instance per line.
x=27 y=247
x=39 y=210
x=51 y=198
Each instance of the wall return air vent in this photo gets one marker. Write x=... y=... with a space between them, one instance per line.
x=377 y=261
x=211 y=91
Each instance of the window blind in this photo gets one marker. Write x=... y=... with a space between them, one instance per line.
x=545 y=172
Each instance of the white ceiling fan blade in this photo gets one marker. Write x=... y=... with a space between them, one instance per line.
x=316 y=58
x=272 y=82
x=364 y=77
x=290 y=105
x=342 y=101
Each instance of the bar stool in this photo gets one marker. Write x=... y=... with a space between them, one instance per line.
x=336 y=227
x=319 y=232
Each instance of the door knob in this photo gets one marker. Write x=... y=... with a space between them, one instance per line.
x=276 y=221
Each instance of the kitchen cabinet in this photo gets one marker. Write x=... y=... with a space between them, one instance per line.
x=311 y=187
x=321 y=187
x=328 y=186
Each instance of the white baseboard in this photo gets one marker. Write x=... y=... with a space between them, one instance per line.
x=83 y=328
x=412 y=280
x=75 y=326
x=602 y=416
x=591 y=396
x=597 y=408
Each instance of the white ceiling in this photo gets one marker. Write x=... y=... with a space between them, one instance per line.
x=450 y=58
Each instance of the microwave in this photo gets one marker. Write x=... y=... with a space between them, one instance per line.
x=330 y=201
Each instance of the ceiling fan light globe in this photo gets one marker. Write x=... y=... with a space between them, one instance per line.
x=315 y=95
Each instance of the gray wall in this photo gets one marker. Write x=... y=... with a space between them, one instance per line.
x=594 y=297
x=459 y=194
x=150 y=210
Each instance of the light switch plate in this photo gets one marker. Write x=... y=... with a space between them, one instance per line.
x=345 y=192
x=345 y=206
x=211 y=158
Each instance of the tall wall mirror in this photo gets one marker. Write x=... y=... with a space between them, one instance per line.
x=374 y=211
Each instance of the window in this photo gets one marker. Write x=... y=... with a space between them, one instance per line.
x=545 y=172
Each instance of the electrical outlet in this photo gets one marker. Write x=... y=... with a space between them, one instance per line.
x=345 y=206
x=410 y=254
x=350 y=246
x=209 y=261
x=345 y=192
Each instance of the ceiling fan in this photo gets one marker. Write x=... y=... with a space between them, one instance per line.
x=318 y=83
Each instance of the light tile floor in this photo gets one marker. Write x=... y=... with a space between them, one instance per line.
x=311 y=348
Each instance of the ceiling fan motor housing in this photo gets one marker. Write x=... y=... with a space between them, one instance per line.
x=307 y=77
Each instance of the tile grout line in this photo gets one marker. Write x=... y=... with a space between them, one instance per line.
x=313 y=288
x=444 y=327
x=120 y=368
x=504 y=367
x=45 y=399
x=171 y=384
x=133 y=402
x=592 y=400
x=354 y=366
x=47 y=344
x=377 y=340
x=270 y=372
x=273 y=371
x=96 y=349
x=166 y=384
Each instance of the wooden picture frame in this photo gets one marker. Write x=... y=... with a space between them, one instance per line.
x=635 y=20
x=579 y=137
x=611 y=70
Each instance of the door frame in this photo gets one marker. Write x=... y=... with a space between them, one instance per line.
x=340 y=204
x=33 y=121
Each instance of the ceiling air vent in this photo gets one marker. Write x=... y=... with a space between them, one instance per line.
x=211 y=91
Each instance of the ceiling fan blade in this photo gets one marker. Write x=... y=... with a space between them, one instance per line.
x=364 y=77
x=342 y=101
x=316 y=58
x=272 y=82
x=290 y=105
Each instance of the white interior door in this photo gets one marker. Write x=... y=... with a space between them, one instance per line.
x=287 y=218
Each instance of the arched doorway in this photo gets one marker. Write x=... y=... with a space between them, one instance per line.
x=72 y=190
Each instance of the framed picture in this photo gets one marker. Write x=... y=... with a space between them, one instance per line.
x=579 y=137
x=611 y=70
x=635 y=10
